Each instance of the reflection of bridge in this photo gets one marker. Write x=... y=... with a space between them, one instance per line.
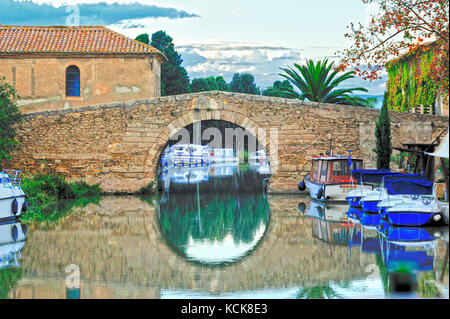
x=120 y=250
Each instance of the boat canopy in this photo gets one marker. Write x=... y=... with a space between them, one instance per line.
x=407 y=184
x=371 y=176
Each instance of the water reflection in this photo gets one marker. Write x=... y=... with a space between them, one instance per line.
x=214 y=228
x=12 y=240
x=267 y=246
x=330 y=222
x=406 y=256
x=218 y=178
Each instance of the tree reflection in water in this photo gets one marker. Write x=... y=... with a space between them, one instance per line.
x=222 y=224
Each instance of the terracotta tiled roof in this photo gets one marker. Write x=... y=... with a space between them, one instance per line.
x=69 y=40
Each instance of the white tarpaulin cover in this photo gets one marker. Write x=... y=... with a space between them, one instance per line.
x=442 y=150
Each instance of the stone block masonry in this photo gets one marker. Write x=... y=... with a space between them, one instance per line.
x=118 y=145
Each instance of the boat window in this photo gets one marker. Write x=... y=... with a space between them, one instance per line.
x=324 y=171
x=356 y=164
x=316 y=169
x=341 y=168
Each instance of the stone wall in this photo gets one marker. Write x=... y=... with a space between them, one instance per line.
x=40 y=81
x=118 y=145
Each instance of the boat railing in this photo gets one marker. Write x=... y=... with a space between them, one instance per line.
x=12 y=173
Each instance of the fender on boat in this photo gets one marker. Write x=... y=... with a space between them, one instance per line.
x=320 y=193
x=15 y=206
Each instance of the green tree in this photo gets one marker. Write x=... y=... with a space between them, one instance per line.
x=275 y=89
x=143 y=38
x=204 y=84
x=318 y=83
x=244 y=83
x=9 y=116
x=383 y=148
x=222 y=84
x=174 y=78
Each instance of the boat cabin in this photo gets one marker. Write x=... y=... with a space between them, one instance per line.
x=334 y=169
x=222 y=152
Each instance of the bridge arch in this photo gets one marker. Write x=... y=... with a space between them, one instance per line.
x=263 y=136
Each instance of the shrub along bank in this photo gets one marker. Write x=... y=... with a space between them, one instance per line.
x=51 y=197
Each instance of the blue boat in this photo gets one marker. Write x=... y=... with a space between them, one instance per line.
x=420 y=209
x=370 y=202
x=370 y=177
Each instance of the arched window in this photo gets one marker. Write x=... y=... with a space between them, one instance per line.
x=72 y=81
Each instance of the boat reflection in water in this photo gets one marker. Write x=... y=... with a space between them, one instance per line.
x=12 y=240
x=406 y=256
x=214 y=229
x=219 y=178
x=330 y=222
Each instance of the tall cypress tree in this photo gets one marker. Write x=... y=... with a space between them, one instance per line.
x=383 y=137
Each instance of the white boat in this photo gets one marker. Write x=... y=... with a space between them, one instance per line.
x=12 y=239
x=185 y=155
x=378 y=200
x=222 y=170
x=260 y=168
x=185 y=175
x=330 y=179
x=259 y=156
x=223 y=155
x=366 y=177
x=422 y=207
x=12 y=197
x=415 y=213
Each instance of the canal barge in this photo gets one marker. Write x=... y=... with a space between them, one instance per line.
x=12 y=197
x=330 y=179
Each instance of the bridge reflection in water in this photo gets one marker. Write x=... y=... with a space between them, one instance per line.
x=190 y=243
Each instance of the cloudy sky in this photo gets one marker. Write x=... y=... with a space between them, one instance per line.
x=217 y=37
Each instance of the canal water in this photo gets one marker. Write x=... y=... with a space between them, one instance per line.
x=214 y=232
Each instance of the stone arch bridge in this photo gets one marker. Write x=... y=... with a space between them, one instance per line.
x=118 y=145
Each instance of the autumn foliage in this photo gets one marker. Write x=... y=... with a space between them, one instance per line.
x=400 y=27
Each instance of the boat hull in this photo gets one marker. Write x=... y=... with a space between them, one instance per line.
x=7 y=196
x=329 y=192
x=369 y=206
x=406 y=218
x=354 y=201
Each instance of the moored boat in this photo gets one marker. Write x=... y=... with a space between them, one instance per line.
x=12 y=197
x=373 y=202
x=420 y=209
x=186 y=155
x=223 y=155
x=330 y=178
x=370 y=177
x=259 y=156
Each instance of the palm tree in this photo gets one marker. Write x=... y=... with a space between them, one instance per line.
x=318 y=85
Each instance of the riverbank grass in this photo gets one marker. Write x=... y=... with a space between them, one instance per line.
x=51 y=196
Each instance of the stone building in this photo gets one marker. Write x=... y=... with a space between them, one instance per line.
x=57 y=67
